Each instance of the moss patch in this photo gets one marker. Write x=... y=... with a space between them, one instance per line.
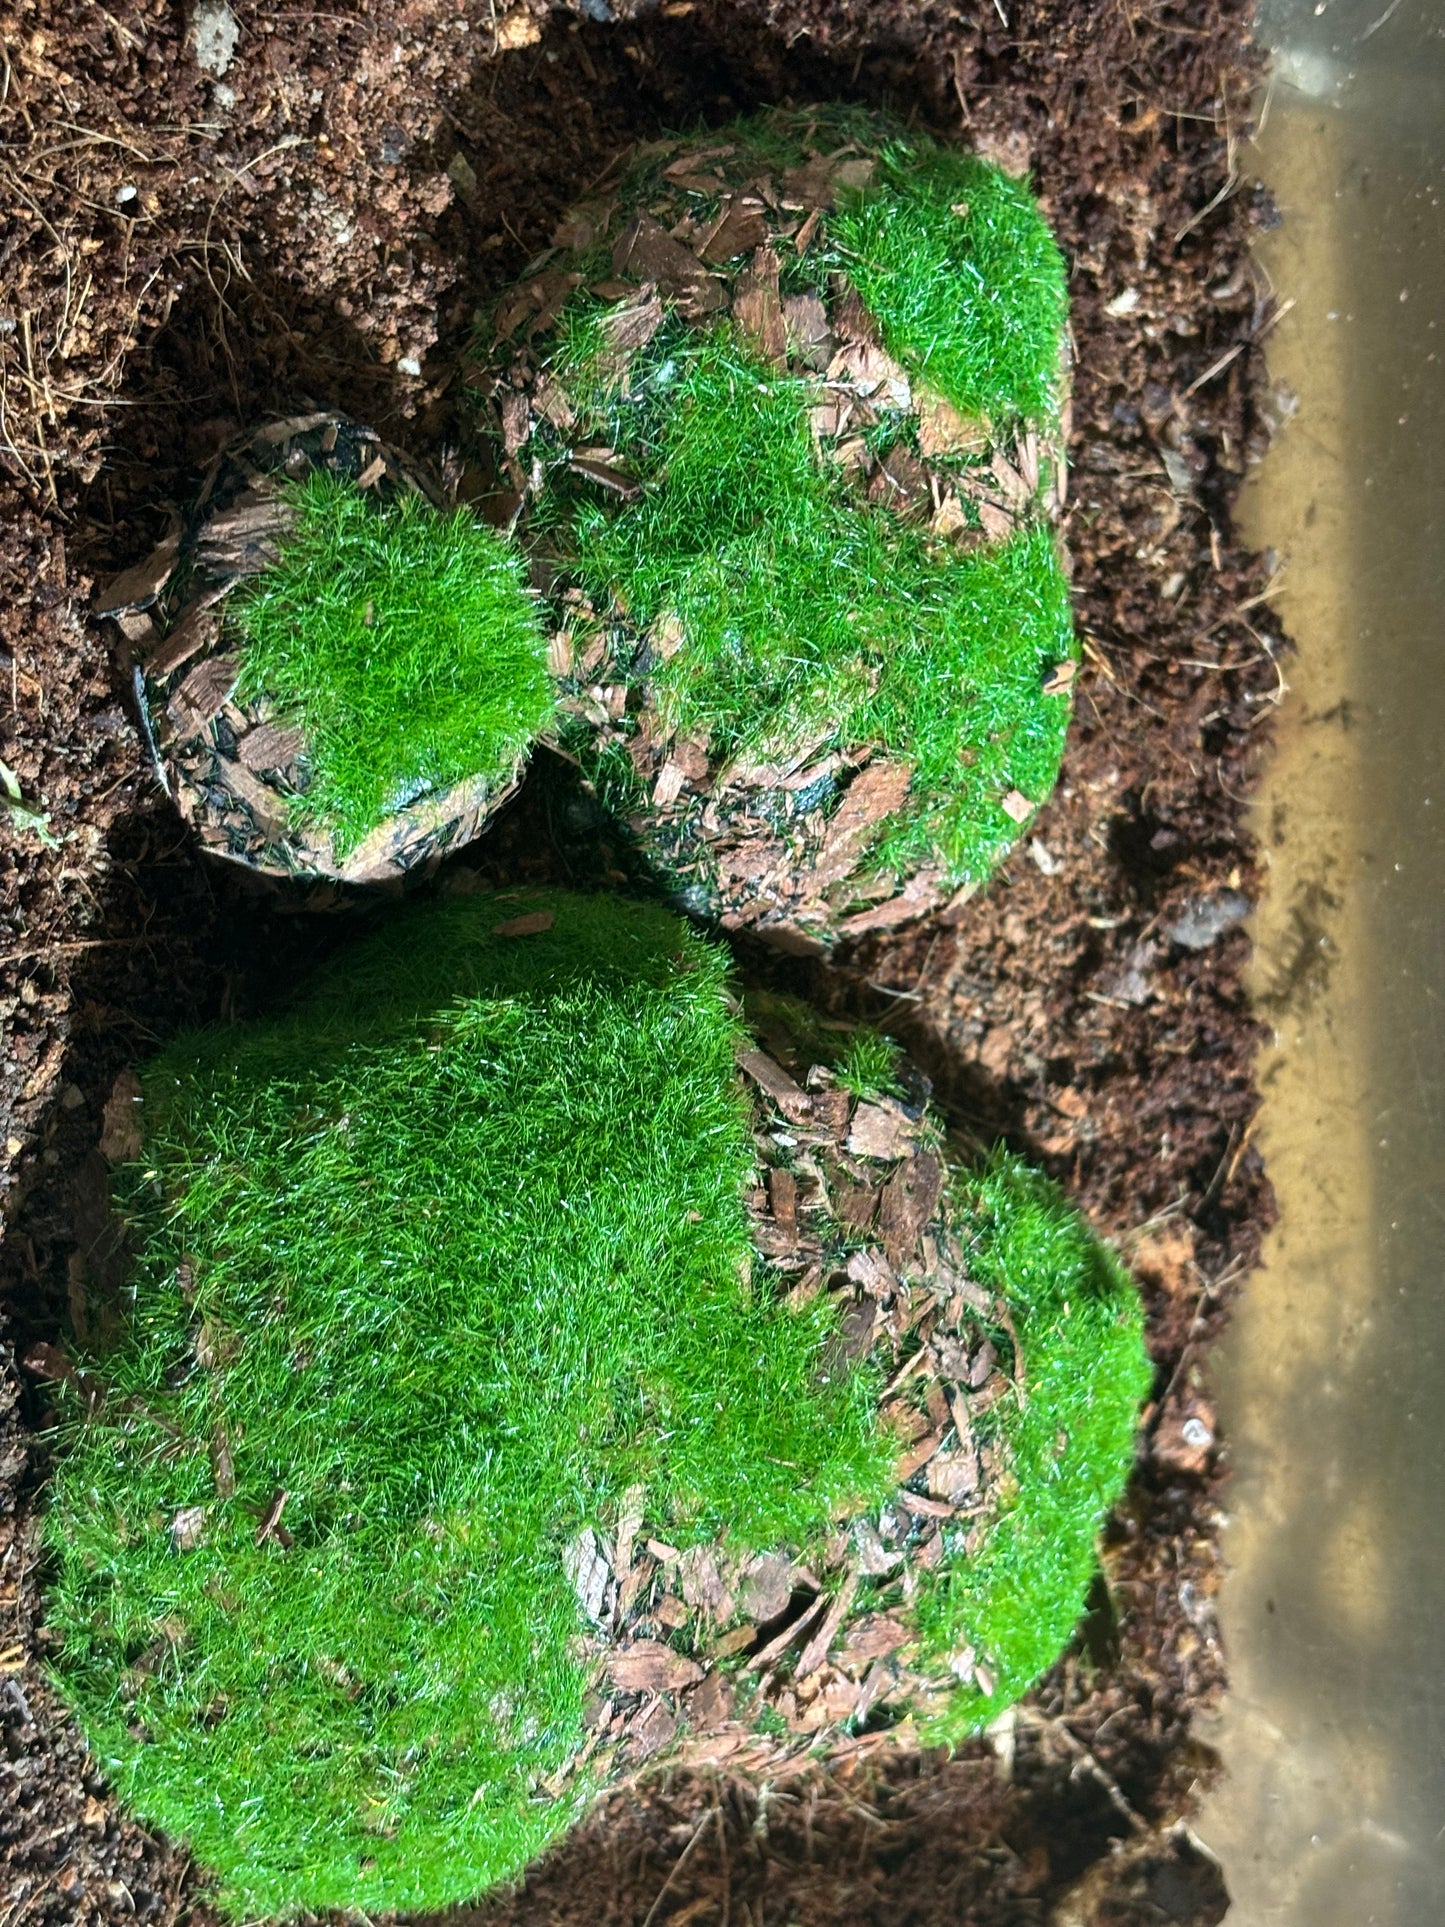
x=812 y=617
x=430 y=1273
x=1007 y=1611
x=403 y=642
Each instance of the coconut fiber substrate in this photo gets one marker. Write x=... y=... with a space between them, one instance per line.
x=184 y=251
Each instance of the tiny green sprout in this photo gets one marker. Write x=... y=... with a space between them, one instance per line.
x=20 y=812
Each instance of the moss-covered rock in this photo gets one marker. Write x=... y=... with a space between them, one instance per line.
x=341 y=676
x=781 y=415
x=534 y=1373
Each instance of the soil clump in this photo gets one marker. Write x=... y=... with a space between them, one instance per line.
x=186 y=251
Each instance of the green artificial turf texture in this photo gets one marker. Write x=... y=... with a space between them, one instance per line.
x=812 y=616
x=455 y=1253
x=1079 y=1320
x=404 y=642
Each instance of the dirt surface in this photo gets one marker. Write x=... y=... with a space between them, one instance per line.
x=182 y=253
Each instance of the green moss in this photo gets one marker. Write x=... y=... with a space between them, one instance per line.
x=1011 y=1607
x=952 y=256
x=453 y=1255
x=869 y=1065
x=810 y=615
x=403 y=642
x=967 y=282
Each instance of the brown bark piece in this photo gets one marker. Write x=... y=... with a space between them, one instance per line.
x=120 y=1130
x=875 y=793
x=647 y=252
x=647 y=1666
x=270 y=746
x=917 y=1456
x=816 y=1650
x=137 y=587
x=758 y=308
x=743 y=226
x=768 y=1586
x=880 y=1131
x=909 y=1200
x=532 y=924
x=946 y=430
x=203 y=693
x=783 y=1197
x=633 y=324
x=872 y=1637
x=197 y=629
x=771 y=1078
x=917 y=897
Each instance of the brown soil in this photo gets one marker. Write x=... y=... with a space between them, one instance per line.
x=180 y=259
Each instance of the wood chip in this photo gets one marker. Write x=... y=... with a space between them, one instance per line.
x=647 y=252
x=872 y=1637
x=532 y=924
x=872 y=1555
x=711 y=1703
x=703 y=1586
x=803 y=239
x=669 y=785
x=758 y=308
x=120 y=1129
x=583 y=225
x=647 y=1666
x=607 y=475
x=909 y=1200
x=203 y=693
x=881 y=1131
x=917 y=1456
x=875 y=793
x=516 y=420
x=588 y=1572
x=923 y=1508
x=270 y=746
x=197 y=629
x=743 y=226
x=633 y=323
x=783 y=1198
x=270 y=1526
x=774 y=1081
x=944 y=429
x=1060 y=679
x=654 y=1728
x=137 y=587
x=768 y=1586
x=793 y=1631
x=954 y=1476
x=816 y=1650
x=187 y=1528
x=1018 y=806
x=916 y=899
x=222 y=1468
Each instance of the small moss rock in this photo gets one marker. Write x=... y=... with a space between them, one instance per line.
x=533 y=1373
x=783 y=415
